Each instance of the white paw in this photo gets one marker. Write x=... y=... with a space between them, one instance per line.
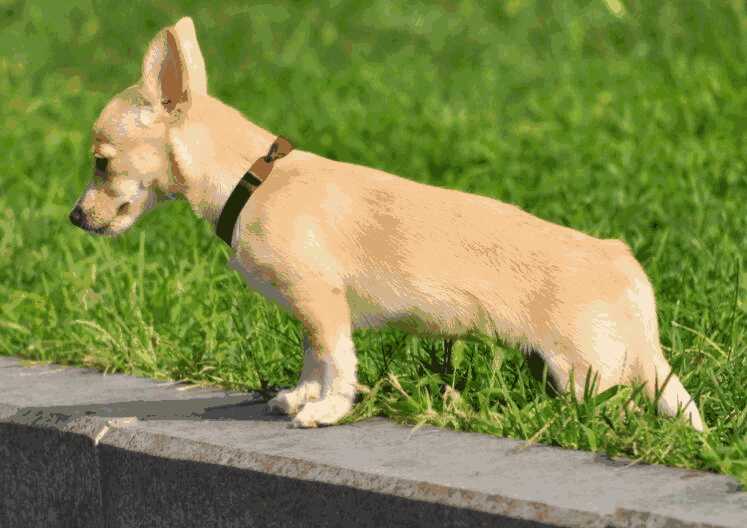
x=326 y=411
x=282 y=404
x=290 y=401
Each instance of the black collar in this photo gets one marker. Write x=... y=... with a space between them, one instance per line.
x=252 y=179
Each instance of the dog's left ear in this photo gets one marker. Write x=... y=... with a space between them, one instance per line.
x=173 y=67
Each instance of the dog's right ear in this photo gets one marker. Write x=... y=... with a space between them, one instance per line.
x=187 y=38
x=173 y=67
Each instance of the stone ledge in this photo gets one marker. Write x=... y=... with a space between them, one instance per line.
x=84 y=449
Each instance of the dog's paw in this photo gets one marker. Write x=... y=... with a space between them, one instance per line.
x=290 y=401
x=326 y=411
x=284 y=403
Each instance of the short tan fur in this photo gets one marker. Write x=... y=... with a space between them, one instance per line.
x=342 y=246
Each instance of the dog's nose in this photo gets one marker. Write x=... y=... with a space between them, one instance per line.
x=77 y=217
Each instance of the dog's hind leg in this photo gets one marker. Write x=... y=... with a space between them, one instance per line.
x=590 y=352
x=309 y=387
x=561 y=373
x=326 y=318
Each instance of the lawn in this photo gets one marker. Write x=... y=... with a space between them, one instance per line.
x=624 y=119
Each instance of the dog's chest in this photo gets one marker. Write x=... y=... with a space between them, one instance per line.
x=364 y=314
x=257 y=283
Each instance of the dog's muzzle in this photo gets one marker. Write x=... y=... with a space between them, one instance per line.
x=78 y=217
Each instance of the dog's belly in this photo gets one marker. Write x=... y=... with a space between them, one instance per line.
x=413 y=309
x=259 y=285
x=416 y=310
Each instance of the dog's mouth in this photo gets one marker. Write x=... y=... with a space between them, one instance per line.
x=110 y=228
x=103 y=230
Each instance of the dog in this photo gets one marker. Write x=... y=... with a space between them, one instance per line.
x=341 y=246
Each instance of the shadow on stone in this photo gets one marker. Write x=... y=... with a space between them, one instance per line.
x=244 y=407
x=189 y=493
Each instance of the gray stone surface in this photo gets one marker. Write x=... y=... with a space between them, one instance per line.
x=93 y=450
x=46 y=385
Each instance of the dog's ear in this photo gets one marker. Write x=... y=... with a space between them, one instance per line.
x=187 y=37
x=173 y=67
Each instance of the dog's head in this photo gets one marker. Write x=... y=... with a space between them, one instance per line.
x=132 y=168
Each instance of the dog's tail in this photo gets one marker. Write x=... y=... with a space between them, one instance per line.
x=664 y=387
x=661 y=384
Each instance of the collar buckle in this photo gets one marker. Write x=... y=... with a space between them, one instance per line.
x=252 y=179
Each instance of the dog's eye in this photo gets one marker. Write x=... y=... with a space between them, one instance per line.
x=101 y=164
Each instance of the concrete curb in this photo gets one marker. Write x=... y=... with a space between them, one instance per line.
x=78 y=448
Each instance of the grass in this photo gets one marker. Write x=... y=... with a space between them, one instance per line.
x=619 y=118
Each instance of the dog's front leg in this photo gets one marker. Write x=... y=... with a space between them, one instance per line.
x=309 y=387
x=326 y=317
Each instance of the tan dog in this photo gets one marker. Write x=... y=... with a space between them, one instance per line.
x=343 y=246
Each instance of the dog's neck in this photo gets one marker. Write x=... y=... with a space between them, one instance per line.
x=211 y=150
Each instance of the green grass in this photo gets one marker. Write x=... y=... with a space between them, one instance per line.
x=628 y=125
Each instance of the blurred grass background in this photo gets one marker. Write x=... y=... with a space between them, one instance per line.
x=620 y=118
